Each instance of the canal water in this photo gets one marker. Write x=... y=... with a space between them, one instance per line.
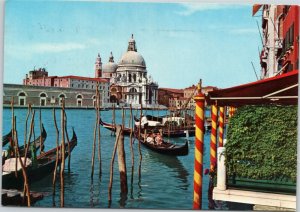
x=166 y=182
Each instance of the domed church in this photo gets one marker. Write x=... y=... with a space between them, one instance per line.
x=129 y=82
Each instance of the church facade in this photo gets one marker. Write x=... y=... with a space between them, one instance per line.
x=129 y=79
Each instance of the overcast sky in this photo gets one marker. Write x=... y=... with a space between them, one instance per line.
x=180 y=42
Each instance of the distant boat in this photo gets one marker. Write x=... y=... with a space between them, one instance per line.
x=43 y=166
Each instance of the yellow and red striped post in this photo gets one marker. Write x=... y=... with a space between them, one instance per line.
x=213 y=136
x=199 y=141
x=221 y=126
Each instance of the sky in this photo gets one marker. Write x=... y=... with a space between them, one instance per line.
x=180 y=42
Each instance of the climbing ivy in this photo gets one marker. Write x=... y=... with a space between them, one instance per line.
x=262 y=143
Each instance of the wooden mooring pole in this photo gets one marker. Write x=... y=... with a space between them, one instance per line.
x=26 y=184
x=112 y=168
x=199 y=142
x=57 y=154
x=62 y=190
x=122 y=161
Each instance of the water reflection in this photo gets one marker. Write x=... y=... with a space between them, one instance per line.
x=174 y=164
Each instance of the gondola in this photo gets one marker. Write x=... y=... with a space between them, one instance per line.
x=166 y=148
x=36 y=144
x=6 y=138
x=41 y=167
x=111 y=127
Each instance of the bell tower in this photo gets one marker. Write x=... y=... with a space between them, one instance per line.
x=98 y=67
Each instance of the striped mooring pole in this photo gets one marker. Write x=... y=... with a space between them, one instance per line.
x=199 y=141
x=221 y=126
x=213 y=136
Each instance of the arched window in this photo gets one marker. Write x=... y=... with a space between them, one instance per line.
x=61 y=97
x=22 y=98
x=43 y=99
x=129 y=78
x=79 y=100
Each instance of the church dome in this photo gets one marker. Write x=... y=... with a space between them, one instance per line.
x=132 y=57
x=111 y=66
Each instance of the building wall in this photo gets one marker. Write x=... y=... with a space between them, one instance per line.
x=280 y=53
x=52 y=95
x=290 y=53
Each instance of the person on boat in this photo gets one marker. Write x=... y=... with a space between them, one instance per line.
x=150 y=138
x=144 y=121
x=158 y=138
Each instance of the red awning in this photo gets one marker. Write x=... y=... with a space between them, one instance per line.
x=255 y=8
x=282 y=89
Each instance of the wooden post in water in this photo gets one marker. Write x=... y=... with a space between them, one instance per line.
x=199 y=142
x=18 y=156
x=57 y=153
x=99 y=135
x=122 y=161
x=113 y=120
x=62 y=190
x=131 y=131
x=30 y=133
x=13 y=144
x=41 y=129
x=112 y=168
x=213 y=137
x=68 y=142
x=140 y=128
x=95 y=134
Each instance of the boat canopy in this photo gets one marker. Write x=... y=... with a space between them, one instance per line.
x=281 y=90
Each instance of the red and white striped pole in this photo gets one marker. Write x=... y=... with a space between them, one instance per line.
x=221 y=126
x=199 y=141
x=213 y=136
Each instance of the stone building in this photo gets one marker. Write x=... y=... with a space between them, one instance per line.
x=41 y=96
x=166 y=94
x=280 y=37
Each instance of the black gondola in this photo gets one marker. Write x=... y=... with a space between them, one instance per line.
x=111 y=127
x=41 y=167
x=36 y=144
x=166 y=148
x=6 y=138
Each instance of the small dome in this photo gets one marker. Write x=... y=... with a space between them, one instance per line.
x=110 y=67
x=132 y=58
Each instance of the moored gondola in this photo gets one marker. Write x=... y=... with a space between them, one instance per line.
x=111 y=127
x=36 y=144
x=6 y=138
x=40 y=167
x=166 y=148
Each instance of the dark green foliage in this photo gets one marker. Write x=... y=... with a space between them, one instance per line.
x=262 y=143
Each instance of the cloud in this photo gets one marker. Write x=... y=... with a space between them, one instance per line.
x=193 y=7
x=56 y=47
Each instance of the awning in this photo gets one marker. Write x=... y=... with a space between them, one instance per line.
x=282 y=89
x=255 y=8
